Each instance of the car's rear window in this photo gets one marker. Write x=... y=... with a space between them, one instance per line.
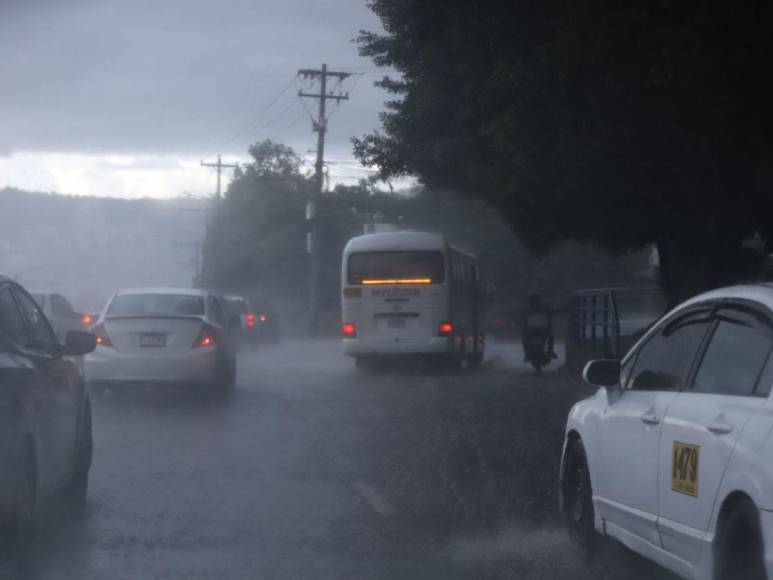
x=237 y=305
x=156 y=305
x=40 y=299
x=424 y=266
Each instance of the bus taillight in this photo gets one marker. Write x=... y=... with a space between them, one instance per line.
x=349 y=330
x=445 y=329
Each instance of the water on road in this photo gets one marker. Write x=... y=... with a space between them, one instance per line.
x=314 y=469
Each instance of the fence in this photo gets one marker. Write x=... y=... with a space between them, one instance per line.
x=605 y=322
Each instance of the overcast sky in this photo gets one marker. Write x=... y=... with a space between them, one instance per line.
x=124 y=98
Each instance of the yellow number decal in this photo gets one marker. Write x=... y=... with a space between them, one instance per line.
x=685 y=463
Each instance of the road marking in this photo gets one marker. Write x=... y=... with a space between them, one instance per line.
x=376 y=501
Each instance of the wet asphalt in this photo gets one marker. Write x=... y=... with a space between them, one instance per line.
x=314 y=469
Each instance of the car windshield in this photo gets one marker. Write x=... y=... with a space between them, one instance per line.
x=156 y=305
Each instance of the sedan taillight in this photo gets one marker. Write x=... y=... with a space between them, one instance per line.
x=206 y=337
x=101 y=333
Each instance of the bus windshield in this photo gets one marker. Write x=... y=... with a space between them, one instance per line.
x=410 y=267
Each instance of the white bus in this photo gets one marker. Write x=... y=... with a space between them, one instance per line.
x=410 y=293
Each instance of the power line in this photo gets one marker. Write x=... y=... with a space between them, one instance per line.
x=255 y=118
x=288 y=127
x=264 y=125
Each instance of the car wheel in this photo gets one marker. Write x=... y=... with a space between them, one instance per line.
x=225 y=378
x=578 y=499
x=79 y=485
x=738 y=550
x=475 y=361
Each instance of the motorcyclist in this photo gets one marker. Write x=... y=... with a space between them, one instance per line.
x=537 y=322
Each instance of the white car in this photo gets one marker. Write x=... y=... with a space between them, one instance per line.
x=60 y=313
x=162 y=336
x=673 y=456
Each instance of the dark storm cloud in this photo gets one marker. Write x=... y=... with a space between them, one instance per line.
x=173 y=75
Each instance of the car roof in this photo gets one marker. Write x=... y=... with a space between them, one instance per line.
x=235 y=297
x=397 y=241
x=163 y=290
x=761 y=293
x=42 y=292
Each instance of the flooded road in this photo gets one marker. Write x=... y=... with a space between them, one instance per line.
x=312 y=468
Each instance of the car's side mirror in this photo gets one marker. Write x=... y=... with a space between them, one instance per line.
x=78 y=342
x=602 y=373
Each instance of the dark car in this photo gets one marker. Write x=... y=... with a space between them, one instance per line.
x=238 y=307
x=267 y=325
x=45 y=414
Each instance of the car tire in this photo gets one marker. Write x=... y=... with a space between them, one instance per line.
x=79 y=485
x=578 y=499
x=475 y=361
x=225 y=377
x=738 y=548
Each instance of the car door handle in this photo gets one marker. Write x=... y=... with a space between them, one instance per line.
x=650 y=419
x=720 y=427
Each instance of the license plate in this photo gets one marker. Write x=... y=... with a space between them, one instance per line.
x=396 y=323
x=153 y=339
x=685 y=464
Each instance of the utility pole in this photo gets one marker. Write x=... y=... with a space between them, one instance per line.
x=220 y=166
x=320 y=126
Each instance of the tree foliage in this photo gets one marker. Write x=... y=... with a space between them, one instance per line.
x=621 y=123
x=256 y=239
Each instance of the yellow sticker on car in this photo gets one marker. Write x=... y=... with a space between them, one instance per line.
x=352 y=292
x=685 y=464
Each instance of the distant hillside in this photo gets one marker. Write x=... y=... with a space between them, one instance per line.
x=87 y=247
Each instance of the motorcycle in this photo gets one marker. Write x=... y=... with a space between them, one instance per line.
x=536 y=350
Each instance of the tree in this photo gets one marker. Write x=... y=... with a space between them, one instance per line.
x=256 y=237
x=618 y=123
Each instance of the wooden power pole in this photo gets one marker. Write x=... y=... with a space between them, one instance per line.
x=220 y=166
x=320 y=126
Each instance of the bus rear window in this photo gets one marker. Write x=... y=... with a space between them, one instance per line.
x=413 y=267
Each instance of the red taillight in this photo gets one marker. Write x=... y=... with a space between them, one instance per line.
x=206 y=337
x=349 y=330
x=101 y=334
x=250 y=320
x=445 y=329
x=87 y=319
x=263 y=317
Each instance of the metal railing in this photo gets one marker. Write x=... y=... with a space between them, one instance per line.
x=604 y=322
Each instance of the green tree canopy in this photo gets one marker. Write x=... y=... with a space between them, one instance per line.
x=621 y=123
